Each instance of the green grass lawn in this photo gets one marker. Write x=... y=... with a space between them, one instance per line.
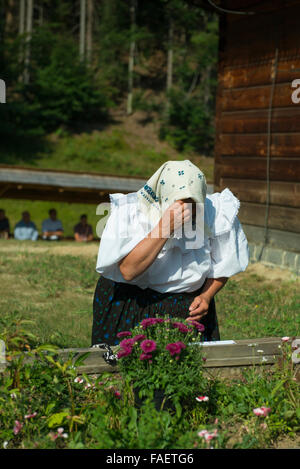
x=53 y=285
x=114 y=151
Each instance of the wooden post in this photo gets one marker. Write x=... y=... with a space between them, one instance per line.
x=82 y=29
x=22 y=17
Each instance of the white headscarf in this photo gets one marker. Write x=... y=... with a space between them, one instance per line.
x=174 y=180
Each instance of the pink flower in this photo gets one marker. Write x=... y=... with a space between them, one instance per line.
x=18 y=426
x=262 y=411
x=285 y=339
x=123 y=334
x=138 y=337
x=181 y=327
x=199 y=327
x=78 y=380
x=208 y=435
x=202 y=398
x=118 y=394
x=145 y=356
x=127 y=343
x=148 y=346
x=30 y=416
x=173 y=348
x=124 y=352
x=147 y=322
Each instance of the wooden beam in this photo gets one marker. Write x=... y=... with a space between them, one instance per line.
x=281 y=193
x=227 y=358
x=281 y=169
x=280 y=218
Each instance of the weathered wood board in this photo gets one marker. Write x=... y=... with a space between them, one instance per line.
x=221 y=360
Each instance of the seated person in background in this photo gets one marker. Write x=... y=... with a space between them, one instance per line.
x=26 y=229
x=83 y=231
x=52 y=228
x=4 y=225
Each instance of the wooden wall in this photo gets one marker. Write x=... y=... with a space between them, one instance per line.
x=246 y=63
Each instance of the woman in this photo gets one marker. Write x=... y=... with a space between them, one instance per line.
x=148 y=270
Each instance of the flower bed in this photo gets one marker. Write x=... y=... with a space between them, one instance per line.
x=47 y=404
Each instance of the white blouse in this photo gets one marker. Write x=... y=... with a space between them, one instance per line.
x=176 y=269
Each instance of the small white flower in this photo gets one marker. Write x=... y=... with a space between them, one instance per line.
x=264 y=359
x=285 y=339
x=78 y=380
x=252 y=345
x=13 y=395
x=260 y=351
x=5 y=443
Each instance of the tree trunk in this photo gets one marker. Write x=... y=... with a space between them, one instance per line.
x=28 y=38
x=22 y=17
x=170 y=62
x=131 y=57
x=89 y=30
x=82 y=29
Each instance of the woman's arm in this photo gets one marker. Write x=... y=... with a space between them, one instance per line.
x=200 y=305
x=146 y=251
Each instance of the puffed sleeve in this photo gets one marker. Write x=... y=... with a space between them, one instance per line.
x=229 y=246
x=121 y=234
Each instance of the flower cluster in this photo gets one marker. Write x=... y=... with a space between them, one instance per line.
x=208 y=435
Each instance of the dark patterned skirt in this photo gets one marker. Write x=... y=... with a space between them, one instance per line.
x=120 y=306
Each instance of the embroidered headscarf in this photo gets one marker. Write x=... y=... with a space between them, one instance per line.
x=174 y=180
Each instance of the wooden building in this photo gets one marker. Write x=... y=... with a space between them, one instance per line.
x=257 y=150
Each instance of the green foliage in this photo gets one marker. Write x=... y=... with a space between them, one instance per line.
x=61 y=90
x=46 y=404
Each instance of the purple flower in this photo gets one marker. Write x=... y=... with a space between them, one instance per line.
x=148 y=322
x=145 y=356
x=181 y=327
x=148 y=346
x=198 y=326
x=123 y=334
x=138 y=337
x=127 y=343
x=175 y=348
x=124 y=352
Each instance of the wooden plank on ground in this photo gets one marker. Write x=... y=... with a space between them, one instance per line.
x=226 y=359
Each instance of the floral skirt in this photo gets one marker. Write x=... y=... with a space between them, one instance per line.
x=121 y=306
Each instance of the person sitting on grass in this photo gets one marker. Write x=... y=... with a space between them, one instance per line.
x=83 y=231
x=4 y=225
x=52 y=228
x=26 y=229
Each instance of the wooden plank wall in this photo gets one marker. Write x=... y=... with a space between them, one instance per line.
x=246 y=62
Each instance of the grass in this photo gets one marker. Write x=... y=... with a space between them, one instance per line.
x=115 y=151
x=53 y=284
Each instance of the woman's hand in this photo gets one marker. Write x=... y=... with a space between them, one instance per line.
x=199 y=307
x=175 y=216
